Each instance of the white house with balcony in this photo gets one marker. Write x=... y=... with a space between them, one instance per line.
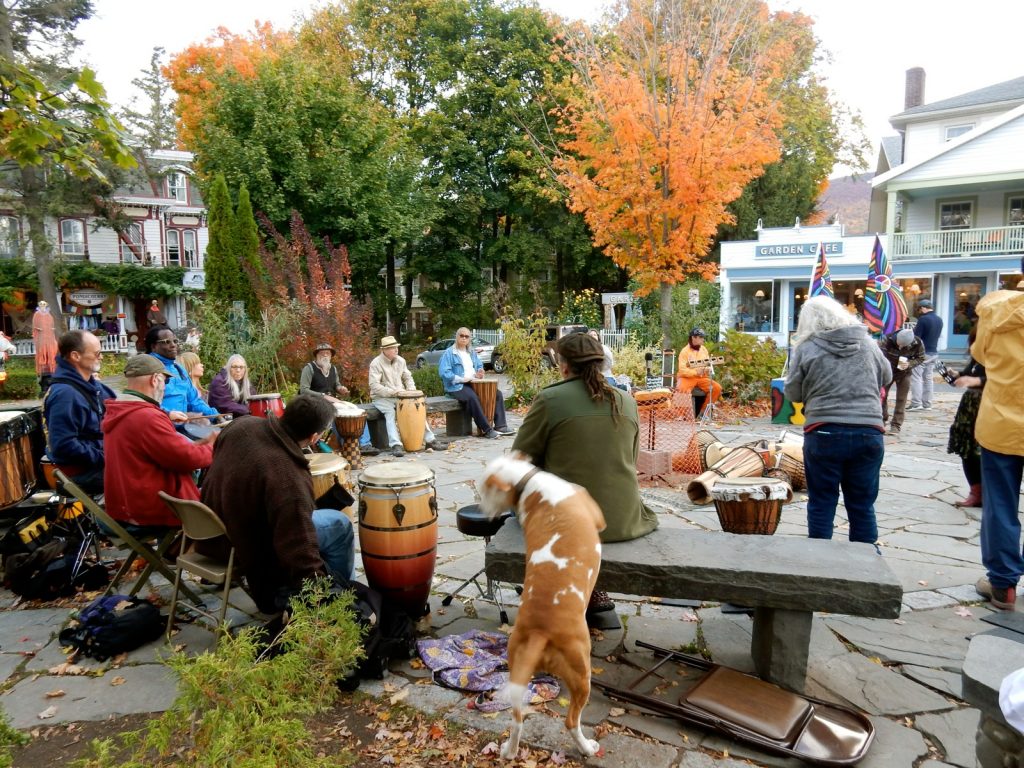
x=166 y=227
x=947 y=203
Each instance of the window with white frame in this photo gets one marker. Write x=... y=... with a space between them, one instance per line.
x=173 y=247
x=72 y=237
x=755 y=306
x=10 y=237
x=177 y=186
x=952 y=131
x=1015 y=210
x=133 y=247
x=188 y=248
x=956 y=214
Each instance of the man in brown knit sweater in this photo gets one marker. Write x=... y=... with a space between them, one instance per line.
x=260 y=486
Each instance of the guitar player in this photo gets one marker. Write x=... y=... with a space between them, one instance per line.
x=694 y=369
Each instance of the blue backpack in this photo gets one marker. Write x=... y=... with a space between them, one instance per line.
x=112 y=625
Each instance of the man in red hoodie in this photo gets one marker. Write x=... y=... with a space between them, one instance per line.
x=144 y=453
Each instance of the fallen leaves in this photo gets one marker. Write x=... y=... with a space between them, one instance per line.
x=118 y=681
x=47 y=713
x=961 y=610
x=54 y=694
x=67 y=668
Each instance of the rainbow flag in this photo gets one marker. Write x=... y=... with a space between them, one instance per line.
x=821 y=279
x=884 y=308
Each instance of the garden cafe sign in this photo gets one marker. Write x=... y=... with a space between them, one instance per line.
x=799 y=249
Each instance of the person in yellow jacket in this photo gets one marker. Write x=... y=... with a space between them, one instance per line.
x=999 y=431
x=694 y=369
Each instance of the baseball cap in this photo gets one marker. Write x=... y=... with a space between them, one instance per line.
x=143 y=365
x=927 y=303
x=698 y=332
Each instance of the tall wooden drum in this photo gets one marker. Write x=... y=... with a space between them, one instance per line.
x=349 y=420
x=17 y=467
x=487 y=392
x=398 y=532
x=411 y=415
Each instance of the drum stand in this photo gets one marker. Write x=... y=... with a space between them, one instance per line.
x=471 y=522
x=707 y=414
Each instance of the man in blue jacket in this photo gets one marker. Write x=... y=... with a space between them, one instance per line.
x=460 y=364
x=181 y=396
x=73 y=409
x=922 y=382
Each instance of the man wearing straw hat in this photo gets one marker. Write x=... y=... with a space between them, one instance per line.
x=389 y=378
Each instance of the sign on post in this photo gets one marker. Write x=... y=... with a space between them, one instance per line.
x=694 y=297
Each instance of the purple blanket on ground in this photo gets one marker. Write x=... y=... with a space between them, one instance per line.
x=478 y=661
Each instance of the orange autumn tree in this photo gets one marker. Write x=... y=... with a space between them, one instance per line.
x=673 y=114
x=192 y=72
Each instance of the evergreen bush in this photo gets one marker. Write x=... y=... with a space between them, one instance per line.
x=428 y=380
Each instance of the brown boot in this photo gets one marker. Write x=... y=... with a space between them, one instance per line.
x=973 y=498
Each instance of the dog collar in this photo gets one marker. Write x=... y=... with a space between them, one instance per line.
x=521 y=485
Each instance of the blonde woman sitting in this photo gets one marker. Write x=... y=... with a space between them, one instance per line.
x=230 y=389
x=195 y=370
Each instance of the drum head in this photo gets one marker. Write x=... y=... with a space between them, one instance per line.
x=8 y=415
x=347 y=409
x=409 y=393
x=735 y=488
x=326 y=463
x=396 y=473
x=267 y=396
x=198 y=431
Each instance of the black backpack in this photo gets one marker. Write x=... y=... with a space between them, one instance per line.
x=391 y=636
x=43 y=559
x=112 y=625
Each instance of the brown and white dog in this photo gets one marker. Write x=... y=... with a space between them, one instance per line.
x=560 y=523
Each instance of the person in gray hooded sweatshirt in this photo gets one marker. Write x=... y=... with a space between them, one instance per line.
x=837 y=371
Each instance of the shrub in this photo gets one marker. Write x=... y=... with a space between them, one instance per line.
x=522 y=349
x=750 y=365
x=428 y=380
x=235 y=706
x=583 y=307
x=22 y=383
x=9 y=737
x=630 y=360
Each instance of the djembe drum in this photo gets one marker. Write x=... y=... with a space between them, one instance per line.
x=398 y=532
x=411 y=416
x=328 y=470
x=349 y=422
x=750 y=505
x=739 y=462
x=261 y=405
x=487 y=392
x=17 y=467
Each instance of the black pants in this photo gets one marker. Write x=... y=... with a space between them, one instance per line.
x=972 y=469
x=471 y=403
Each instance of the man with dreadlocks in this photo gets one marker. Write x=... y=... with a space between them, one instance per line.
x=587 y=432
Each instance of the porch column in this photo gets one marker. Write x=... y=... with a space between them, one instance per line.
x=890 y=212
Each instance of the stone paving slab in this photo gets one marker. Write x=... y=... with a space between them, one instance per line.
x=146 y=688
x=953 y=732
x=874 y=688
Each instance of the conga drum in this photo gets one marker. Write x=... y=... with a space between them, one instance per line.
x=17 y=468
x=411 y=414
x=349 y=421
x=739 y=462
x=327 y=470
x=398 y=532
x=261 y=405
x=487 y=393
x=791 y=460
x=750 y=505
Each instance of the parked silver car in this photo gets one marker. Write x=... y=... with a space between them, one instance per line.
x=432 y=354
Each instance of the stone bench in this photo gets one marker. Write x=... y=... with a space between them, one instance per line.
x=784 y=579
x=458 y=422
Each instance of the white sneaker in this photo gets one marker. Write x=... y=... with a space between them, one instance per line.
x=916 y=408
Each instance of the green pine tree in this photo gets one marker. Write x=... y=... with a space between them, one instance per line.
x=246 y=244
x=224 y=276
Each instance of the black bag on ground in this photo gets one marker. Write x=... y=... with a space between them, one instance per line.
x=112 y=625
x=389 y=634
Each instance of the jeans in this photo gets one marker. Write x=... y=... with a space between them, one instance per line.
x=843 y=456
x=387 y=405
x=336 y=541
x=467 y=396
x=1000 y=526
x=922 y=384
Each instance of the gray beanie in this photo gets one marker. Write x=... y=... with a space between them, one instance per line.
x=905 y=338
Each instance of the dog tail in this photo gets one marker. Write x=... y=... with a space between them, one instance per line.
x=523 y=660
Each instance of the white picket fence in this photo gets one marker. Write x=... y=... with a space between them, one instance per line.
x=113 y=344
x=614 y=339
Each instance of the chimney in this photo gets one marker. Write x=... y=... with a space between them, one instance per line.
x=914 y=94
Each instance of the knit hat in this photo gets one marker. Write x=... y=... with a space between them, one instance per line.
x=905 y=338
x=143 y=365
x=580 y=348
x=389 y=341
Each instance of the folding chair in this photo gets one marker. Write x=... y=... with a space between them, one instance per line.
x=154 y=558
x=199 y=523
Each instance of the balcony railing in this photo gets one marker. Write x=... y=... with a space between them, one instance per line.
x=115 y=343
x=125 y=254
x=988 y=241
